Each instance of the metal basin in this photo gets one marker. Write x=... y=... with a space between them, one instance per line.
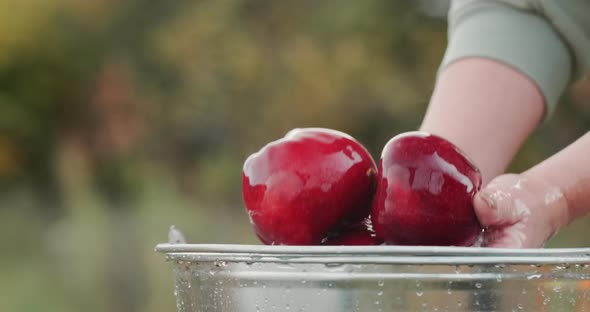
x=377 y=278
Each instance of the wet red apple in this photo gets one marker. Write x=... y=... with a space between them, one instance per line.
x=357 y=234
x=299 y=188
x=424 y=193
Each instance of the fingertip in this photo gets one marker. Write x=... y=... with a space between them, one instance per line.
x=482 y=201
x=485 y=209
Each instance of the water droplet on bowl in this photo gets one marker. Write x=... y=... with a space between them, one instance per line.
x=533 y=276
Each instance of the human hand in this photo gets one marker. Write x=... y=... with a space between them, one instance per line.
x=518 y=211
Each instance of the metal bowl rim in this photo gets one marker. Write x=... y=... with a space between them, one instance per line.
x=370 y=251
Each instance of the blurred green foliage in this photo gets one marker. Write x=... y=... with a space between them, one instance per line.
x=120 y=118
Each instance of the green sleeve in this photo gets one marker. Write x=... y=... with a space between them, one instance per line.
x=518 y=38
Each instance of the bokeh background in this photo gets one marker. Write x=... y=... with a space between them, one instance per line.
x=120 y=118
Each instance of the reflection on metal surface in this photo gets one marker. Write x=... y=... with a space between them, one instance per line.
x=377 y=278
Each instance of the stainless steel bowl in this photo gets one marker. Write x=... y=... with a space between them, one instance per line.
x=377 y=278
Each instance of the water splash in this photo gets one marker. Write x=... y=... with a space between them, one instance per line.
x=175 y=236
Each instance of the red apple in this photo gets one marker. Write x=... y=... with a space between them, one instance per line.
x=357 y=234
x=299 y=188
x=424 y=193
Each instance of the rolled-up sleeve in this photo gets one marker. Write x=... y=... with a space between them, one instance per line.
x=514 y=36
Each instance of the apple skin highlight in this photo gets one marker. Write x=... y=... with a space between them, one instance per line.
x=425 y=190
x=312 y=182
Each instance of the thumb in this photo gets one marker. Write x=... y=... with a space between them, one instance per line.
x=486 y=208
x=493 y=208
x=494 y=205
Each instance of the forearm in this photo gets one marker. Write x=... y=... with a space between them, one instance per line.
x=569 y=172
x=503 y=71
x=487 y=109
